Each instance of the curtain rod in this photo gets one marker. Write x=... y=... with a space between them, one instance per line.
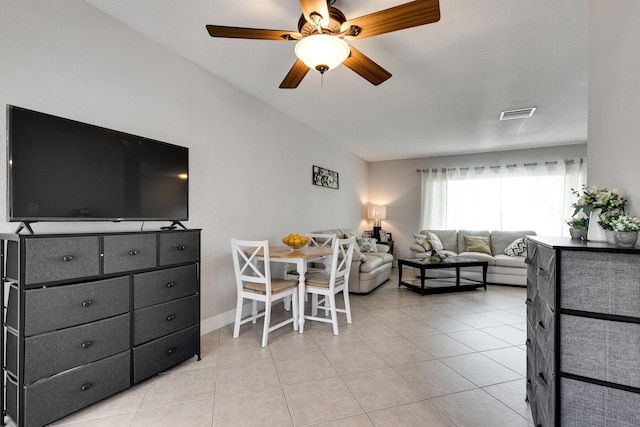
x=554 y=162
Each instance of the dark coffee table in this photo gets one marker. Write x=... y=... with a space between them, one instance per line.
x=425 y=264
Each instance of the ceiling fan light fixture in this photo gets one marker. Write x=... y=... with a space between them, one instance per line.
x=322 y=52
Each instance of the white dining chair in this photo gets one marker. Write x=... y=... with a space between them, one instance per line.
x=328 y=284
x=254 y=282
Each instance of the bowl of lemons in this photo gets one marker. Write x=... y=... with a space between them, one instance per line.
x=295 y=241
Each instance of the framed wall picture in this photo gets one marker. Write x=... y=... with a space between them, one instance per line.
x=383 y=236
x=367 y=233
x=325 y=178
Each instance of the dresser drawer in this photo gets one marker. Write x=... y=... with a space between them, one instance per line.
x=585 y=404
x=546 y=274
x=127 y=252
x=61 y=258
x=49 y=309
x=55 y=352
x=163 y=353
x=63 y=394
x=162 y=319
x=601 y=349
x=179 y=247
x=601 y=282
x=164 y=285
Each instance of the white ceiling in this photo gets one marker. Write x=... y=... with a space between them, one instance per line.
x=450 y=79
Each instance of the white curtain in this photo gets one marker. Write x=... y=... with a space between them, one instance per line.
x=533 y=196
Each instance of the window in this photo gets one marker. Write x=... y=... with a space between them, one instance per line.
x=534 y=196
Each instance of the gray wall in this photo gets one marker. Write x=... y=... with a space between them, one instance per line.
x=614 y=97
x=250 y=165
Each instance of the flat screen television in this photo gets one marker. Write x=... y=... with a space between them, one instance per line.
x=64 y=170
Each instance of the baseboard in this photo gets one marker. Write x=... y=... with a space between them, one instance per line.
x=221 y=320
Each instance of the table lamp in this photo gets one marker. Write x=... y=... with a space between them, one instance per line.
x=377 y=213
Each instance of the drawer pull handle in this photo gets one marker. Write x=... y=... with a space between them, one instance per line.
x=133 y=252
x=171 y=350
x=67 y=258
x=171 y=317
x=182 y=247
x=86 y=344
x=87 y=303
x=528 y=342
x=85 y=387
x=170 y=285
x=541 y=324
x=527 y=260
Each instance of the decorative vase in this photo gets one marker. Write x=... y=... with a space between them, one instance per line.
x=611 y=236
x=596 y=233
x=578 y=233
x=626 y=239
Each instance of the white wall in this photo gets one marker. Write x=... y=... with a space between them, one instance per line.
x=614 y=97
x=397 y=184
x=250 y=166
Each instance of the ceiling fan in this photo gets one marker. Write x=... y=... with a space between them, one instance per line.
x=322 y=30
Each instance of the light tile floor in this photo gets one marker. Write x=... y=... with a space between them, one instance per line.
x=454 y=359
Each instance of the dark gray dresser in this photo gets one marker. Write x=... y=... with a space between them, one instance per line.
x=88 y=315
x=583 y=333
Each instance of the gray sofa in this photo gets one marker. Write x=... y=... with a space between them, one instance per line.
x=368 y=270
x=503 y=269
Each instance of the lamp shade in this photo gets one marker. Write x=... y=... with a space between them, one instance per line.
x=377 y=212
x=322 y=52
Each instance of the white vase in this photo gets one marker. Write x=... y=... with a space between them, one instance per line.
x=596 y=233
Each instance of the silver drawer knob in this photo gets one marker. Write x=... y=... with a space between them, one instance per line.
x=86 y=344
x=67 y=258
x=133 y=252
x=171 y=351
x=85 y=387
x=182 y=247
x=87 y=303
x=170 y=285
x=171 y=317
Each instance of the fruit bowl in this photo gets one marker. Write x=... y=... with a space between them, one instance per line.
x=295 y=241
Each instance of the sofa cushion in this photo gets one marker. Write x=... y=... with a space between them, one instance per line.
x=477 y=244
x=449 y=238
x=434 y=242
x=462 y=246
x=421 y=240
x=367 y=245
x=479 y=256
x=517 y=248
x=510 y=261
x=501 y=239
x=372 y=262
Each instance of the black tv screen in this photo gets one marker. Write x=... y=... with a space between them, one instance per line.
x=64 y=170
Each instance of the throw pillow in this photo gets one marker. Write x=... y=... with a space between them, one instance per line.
x=517 y=248
x=421 y=239
x=477 y=244
x=356 y=247
x=435 y=242
x=367 y=245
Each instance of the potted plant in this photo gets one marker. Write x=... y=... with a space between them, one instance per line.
x=626 y=228
x=606 y=222
x=593 y=202
x=578 y=227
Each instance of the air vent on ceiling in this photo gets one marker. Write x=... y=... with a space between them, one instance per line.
x=521 y=113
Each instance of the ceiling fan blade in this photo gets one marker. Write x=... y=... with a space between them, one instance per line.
x=295 y=75
x=318 y=6
x=365 y=67
x=252 y=33
x=413 y=14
